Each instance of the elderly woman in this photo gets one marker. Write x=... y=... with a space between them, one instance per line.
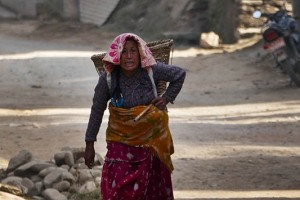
x=139 y=144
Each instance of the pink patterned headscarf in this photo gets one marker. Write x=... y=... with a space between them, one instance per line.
x=113 y=54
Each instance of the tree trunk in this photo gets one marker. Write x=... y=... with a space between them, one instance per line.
x=224 y=19
x=296 y=10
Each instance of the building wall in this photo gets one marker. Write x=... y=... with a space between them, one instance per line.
x=26 y=8
x=96 y=11
x=71 y=9
x=87 y=11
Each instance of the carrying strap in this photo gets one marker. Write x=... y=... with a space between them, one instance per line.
x=108 y=80
x=150 y=74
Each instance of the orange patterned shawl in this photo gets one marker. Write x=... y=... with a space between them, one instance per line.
x=150 y=131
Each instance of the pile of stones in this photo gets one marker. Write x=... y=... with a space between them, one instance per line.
x=56 y=179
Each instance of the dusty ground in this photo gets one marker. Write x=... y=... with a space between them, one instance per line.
x=235 y=124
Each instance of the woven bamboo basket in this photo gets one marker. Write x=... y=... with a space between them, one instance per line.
x=161 y=50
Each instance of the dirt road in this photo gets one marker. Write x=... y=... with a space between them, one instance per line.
x=235 y=125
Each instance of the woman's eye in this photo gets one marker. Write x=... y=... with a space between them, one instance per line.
x=133 y=51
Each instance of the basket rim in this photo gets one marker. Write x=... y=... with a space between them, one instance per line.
x=152 y=45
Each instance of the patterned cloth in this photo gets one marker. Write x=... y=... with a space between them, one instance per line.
x=134 y=173
x=139 y=155
x=137 y=90
x=113 y=54
x=150 y=131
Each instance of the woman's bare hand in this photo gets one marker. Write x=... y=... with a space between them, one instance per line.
x=89 y=154
x=160 y=103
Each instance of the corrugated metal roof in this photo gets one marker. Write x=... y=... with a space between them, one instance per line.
x=96 y=11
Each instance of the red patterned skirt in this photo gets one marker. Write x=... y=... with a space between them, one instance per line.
x=134 y=173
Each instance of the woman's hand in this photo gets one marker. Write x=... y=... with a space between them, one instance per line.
x=160 y=103
x=89 y=154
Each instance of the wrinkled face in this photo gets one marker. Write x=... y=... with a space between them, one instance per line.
x=130 y=58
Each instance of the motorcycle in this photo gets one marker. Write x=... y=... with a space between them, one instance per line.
x=282 y=39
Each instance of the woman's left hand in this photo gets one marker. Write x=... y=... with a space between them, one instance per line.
x=160 y=103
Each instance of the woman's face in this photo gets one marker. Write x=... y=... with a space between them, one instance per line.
x=130 y=58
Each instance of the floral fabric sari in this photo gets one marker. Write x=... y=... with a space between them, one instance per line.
x=138 y=163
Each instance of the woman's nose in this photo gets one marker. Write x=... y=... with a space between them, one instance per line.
x=128 y=54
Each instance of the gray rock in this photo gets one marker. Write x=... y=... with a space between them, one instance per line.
x=53 y=194
x=67 y=167
x=23 y=157
x=62 y=186
x=67 y=194
x=73 y=171
x=80 y=166
x=98 y=159
x=88 y=187
x=39 y=186
x=80 y=160
x=11 y=179
x=84 y=175
x=78 y=153
x=67 y=176
x=40 y=165
x=47 y=171
x=98 y=180
x=35 y=178
x=47 y=181
x=26 y=182
x=60 y=158
x=10 y=174
x=95 y=172
x=74 y=188
x=26 y=169
x=69 y=158
x=53 y=177
x=31 y=190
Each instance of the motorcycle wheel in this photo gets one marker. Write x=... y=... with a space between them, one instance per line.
x=293 y=70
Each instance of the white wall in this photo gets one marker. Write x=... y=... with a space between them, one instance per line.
x=96 y=11
x=88 y=11
x=71 y=9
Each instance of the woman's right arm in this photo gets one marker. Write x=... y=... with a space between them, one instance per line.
x=100 y=99
x=101 y=96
